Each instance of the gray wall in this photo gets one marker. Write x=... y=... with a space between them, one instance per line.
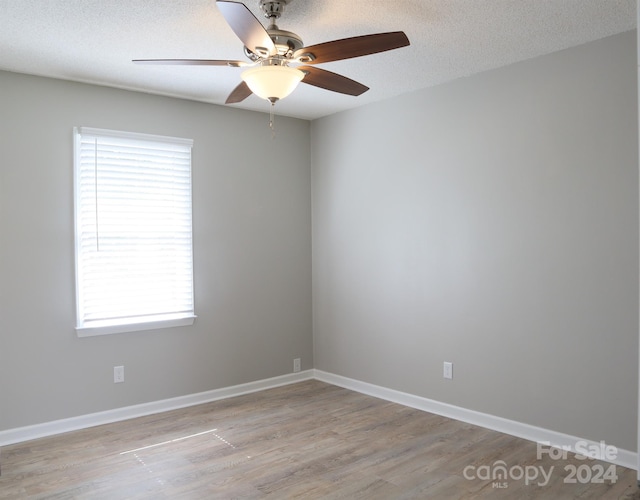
x=491 y=222
x=252 y=247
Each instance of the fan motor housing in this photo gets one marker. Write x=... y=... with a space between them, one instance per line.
x=285 y=41
x=286 y=44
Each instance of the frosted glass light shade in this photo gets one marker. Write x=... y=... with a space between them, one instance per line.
x=272 y=82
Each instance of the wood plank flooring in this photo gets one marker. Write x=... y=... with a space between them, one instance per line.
x=306 y=440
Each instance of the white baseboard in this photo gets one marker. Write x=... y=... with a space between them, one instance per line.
x=554 y=439
x=30 y=432
x=623 y=458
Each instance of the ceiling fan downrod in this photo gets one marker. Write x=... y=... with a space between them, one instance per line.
x=286 y=42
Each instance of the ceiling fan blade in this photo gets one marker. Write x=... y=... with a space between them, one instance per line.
x=247 y=27
x=239 y=94
x=332 y=81
x=193 y=62
x=351 y=47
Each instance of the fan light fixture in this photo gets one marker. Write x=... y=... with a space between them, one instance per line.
x=272 y=82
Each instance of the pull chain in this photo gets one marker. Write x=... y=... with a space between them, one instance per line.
x=271 y=120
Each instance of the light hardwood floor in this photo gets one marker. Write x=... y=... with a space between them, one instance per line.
x=306 y=440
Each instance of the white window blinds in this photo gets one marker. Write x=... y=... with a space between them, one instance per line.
x=134 y=260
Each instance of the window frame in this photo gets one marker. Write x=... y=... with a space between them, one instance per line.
x=132 y=323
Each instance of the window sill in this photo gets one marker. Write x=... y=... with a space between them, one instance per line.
x=108 y=327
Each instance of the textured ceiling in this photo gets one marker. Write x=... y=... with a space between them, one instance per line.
x=95 y=40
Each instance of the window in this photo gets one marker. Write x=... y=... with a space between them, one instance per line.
x=134 y=257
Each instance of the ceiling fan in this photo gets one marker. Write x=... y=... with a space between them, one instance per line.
x=279 y=60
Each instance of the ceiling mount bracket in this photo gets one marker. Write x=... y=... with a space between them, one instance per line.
x=273 y=9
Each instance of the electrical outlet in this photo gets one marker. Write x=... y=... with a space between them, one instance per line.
x=118 y=374
x=296 y=365
x=447 y=371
